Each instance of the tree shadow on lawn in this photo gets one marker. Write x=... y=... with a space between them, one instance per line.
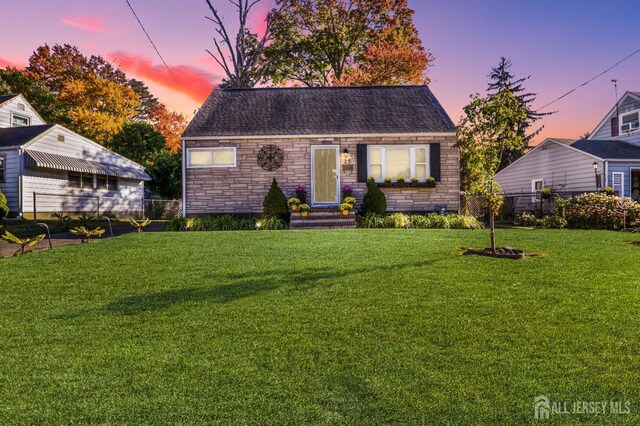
x=243 y=286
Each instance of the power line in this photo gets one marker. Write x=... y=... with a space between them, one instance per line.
x=152 y=43
x=589 y=81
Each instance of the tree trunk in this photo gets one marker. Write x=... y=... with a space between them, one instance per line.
x=492 y=227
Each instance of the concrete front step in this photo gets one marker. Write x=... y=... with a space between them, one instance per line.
x=323 y=215
x=323 y=218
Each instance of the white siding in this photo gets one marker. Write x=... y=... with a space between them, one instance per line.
x=604 y=133
x=11 y=107
x=562 y=168
x=11 y=186
x=78 y=147
x=55 y=195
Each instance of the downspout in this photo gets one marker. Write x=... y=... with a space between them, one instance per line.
x=184 y=180
x=606 y=173
x=20 y=183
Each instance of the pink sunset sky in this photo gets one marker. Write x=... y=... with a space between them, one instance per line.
x=559 y=45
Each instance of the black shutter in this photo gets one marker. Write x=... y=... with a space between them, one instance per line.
x=615 y=129
x=361 y=159
x=434 y=160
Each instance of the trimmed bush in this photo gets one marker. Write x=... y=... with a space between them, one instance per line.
x=526 y=219
x=374 y=200
x=4 y=206
x=275 y=203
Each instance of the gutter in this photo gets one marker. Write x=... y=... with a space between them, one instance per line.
x=328 y=136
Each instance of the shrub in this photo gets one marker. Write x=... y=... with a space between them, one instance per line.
x=4 y=206
x=526 y=219
x=209 y=224
x=374 y=200
x=608 y=190
x=464 y=222
x=397 y=220
x=437 y=221
x=371 y=221
x=546 y=193
x=176 y=225
x=419 y=221
x=275 y=203
x=271 y=224
x=554 y=222
x=600 y=211
x=346 y=207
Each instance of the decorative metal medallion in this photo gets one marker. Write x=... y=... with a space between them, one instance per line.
x=271 y=158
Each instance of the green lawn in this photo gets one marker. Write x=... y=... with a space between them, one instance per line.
x=331 y=327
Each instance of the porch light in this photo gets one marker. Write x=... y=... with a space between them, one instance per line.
x=595 y=166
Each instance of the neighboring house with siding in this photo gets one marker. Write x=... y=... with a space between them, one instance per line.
x=67 y=172
x=322 y=139
x=609 y=157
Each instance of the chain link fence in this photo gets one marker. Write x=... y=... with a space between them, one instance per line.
x=162 y=209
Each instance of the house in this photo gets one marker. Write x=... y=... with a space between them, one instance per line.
x=609 y=157
x=322 y=139
x=59 y=170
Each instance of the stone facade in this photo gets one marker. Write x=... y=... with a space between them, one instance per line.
x=241 y=189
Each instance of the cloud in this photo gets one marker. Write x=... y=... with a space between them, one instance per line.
x=193 y=82
x=87 y=23
x=4 y=63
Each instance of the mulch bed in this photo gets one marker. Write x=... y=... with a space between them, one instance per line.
x=500 y=253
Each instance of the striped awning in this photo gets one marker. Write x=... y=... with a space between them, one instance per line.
x=45 y=160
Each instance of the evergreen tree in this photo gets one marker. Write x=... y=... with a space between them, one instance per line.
x=374 y=200
x=275 y=203
x=503 y=80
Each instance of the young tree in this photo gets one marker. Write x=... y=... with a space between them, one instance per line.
x=241 y=60
x=489 y=129
x=340 y=42
x=503 y=80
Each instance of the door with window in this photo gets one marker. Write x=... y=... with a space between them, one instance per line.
x=325 y=177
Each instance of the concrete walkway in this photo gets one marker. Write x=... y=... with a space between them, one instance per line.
x=67 y=238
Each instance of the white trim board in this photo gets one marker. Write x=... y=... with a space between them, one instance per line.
x=214 y=138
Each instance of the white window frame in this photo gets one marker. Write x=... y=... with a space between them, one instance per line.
x=534 y=192
x=412 y=159
x=621 y=119
x=26 y=117
x=613 y=180
x=212 y=166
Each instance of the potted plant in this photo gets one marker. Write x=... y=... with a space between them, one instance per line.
x=294 y=203
x=546 y=193
x=431 y=182
x=301 y=194
x=400 y=182
x=346 y=208
x=304 y=210
x=347 y=191
x=350 y=200
x=415 y=181
x=608 y=190
x=387 y=183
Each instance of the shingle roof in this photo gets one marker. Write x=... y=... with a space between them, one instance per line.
x=320 y=111
x=16 y=136
x=6 y=98
x=609 y=149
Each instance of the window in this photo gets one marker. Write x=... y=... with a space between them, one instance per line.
x=80 y=180
x=630 y=122
x=19 y=121
x=20 y=107
x=2 y=167
x=399 y=161
x=112 y=183
x=537 y=185
x=211 y=157
x=60 y=138
x=102 y=182
x=618 y=184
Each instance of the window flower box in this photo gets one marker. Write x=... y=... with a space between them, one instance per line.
x=423 y=184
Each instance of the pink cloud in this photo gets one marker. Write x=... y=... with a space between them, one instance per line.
x=87 y=23
x=193 y=82
x=4 y=63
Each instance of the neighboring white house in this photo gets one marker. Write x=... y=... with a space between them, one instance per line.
x=61 y=170
x=609 y=157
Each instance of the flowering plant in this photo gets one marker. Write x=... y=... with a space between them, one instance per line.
x=600 y=211
x=347 y=188
x=300 y=188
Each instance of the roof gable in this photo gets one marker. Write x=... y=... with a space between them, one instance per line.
x=607 y=119
x=19 y=136
x=320 y=111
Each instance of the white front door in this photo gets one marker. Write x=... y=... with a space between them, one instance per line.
x=325 y=175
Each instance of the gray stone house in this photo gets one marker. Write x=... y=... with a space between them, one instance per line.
x=322 y=139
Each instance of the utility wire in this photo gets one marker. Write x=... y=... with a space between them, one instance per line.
x=152 y=43
x=587 y=82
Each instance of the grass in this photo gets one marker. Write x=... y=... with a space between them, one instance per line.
x=332 y=327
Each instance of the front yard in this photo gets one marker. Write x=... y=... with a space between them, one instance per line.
x=334 y=327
